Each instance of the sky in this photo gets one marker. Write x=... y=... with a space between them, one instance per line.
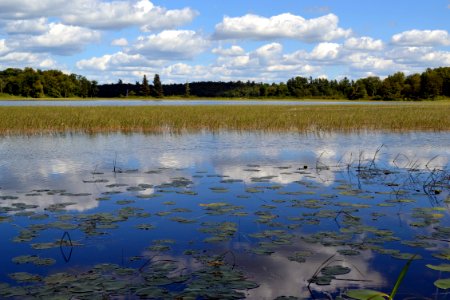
x=202 y=40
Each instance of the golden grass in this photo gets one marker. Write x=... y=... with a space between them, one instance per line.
x=423 y=116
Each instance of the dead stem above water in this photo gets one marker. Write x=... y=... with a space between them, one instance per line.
x=427 y=116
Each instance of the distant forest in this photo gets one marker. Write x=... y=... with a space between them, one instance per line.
x=431 y=84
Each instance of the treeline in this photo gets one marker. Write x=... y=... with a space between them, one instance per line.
x=51 y=83
x=431 y=84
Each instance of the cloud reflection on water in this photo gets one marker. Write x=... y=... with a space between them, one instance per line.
x=63 y=162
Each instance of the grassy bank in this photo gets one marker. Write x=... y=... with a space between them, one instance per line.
x=429 y=116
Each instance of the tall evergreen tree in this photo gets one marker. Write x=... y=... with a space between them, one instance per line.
x=187 y=90
x=145 y=88
x=159 y=93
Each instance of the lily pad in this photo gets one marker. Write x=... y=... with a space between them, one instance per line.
x=335 y=270
x=443 y=283
x=366 y=295
x=442 y=268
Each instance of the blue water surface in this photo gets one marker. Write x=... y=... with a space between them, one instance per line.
x=281 y=193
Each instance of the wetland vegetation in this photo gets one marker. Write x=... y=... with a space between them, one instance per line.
x=425 y=116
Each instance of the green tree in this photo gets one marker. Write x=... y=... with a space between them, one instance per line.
x=38 y=90
x=157 y=86
x=345 y=87
x=358 y=90
x=392 y=87
x=298 y=87
x=412 y=86
x=373 y=85
x=187 y=90
x=94 y=88
x=282 y=90
x=263 y=90
x=444 y=73
x=431 y=84
x=2 y=85
x=145 y=88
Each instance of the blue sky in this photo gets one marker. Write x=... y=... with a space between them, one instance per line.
x=259 y=40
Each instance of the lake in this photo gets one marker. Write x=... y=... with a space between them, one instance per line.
x=226 y=215
x=116 y=102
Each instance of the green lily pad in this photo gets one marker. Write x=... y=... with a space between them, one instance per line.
x=335 y=270
x=219 y=189
x=348 y=252
x=124 y=202
x=442 y=268
x=443 y=283
x=366 y=295
x=25 y=277
x=145 y=226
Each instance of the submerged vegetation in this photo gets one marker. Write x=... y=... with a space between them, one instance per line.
x=429 y=116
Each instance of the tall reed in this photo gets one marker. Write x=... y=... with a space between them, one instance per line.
x=427 y=116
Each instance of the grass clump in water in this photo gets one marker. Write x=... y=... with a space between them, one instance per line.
x=428 y=116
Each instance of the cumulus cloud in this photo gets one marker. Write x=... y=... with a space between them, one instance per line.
x=171 y=45
x=25 y=9
x=266 y=63
x=364 y=43
x=99 y=14
x=422 y=38
x=286 y=25
x=32 y=26
x=3 y=48
x=268 y=54
x=369 y=62
x=120 y=14
x=59 y=39
x=122 y=42
x=325 y=51
x=113 y=62
x=437 y=58
x=232 y=51
x=19 y=59
x=419 y=57
x=149 y=54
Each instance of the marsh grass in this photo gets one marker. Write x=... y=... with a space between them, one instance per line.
x=427 y=116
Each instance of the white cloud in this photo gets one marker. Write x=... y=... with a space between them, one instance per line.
x=25 y=9
x=20 y=59
x=232 y=51
x=437 y=58
x=419 y=57
x=329 y=53
x=286 y=25
x=364 y=43
x=240 y=62
x=59 y=39
x=3 y=48
x=122 y=42
x=407 y=55
x=113 y=62
x=368 y=62
x=266 y=63
x=171 y=45
x=268 y=54
x=422 y=38
x=99 y=14
x=33 y=26
x=325 y=51
x=121 y=14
